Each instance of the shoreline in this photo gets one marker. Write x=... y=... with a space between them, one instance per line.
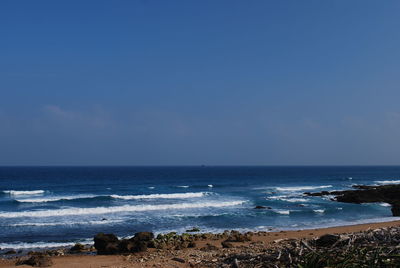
x=68 y=245
x=182 y=257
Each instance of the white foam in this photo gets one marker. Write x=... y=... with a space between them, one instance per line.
x=319 y=210
x=287 y=198
x=115 y=209
x=385 y=204
x=25 y=245
x=14 y=192
x=301 y=188
x=389 y=182
x=210 y=185
x=283 y=212
x=66 y=223
x=159 y=196
x=295 y=199
x=151 y=187
x=53 y=199
x=183 y=186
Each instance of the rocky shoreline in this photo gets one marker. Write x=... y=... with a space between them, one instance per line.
x=367 y=194
x=358 y=245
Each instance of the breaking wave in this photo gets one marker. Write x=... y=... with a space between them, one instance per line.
x=115 y=209
x=14 y=192
x=159 y=196
x=389 y=182
x=301 y=188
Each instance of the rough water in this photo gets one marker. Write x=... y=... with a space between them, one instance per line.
x=58 y=206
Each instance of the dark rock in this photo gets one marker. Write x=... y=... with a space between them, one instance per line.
x=106 y=244
x=131 y=246
x=317 y=194
x=151 y=244
x=368 y=194
x=178 y=260
x=39 y=260
x=78 y=248
x=140 y=246
x=327 y=240
x=396 y=209
x=194 y=229
x=144 y=236
x=10 y=252
x=125 y=246
x=226 y=244
x=260 y=207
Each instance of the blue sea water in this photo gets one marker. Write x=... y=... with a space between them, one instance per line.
x=56 y=206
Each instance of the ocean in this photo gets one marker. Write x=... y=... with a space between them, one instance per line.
x=58 y=206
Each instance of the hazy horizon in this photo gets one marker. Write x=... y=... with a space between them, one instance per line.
x=182 y=83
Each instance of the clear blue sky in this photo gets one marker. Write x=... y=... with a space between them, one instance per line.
x=199 y=82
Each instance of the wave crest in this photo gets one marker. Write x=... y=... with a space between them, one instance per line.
x=160 y=196
x=15 y=192
x=389 y=182
x=301 y=188
x=116 y=209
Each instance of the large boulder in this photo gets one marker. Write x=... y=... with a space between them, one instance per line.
x=144 y=236
x=77 y=248
x=106 y=244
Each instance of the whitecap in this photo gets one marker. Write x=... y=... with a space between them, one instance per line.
x=319 y=210
x=26 y=245
x=15 y=192
x=210 y=185
x=389 y=182
x=151 y=187
x=283 y=212
x=161 y=196
x=288 y=198
x=115 y=209
x=385 y=204
x=66 y=223
x=53 y=199
x=301 y=188
x=183 y=186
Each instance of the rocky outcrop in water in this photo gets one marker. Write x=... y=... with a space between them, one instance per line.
x=368 y=194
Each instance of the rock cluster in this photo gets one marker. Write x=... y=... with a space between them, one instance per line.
x=108 y=244
x=36 y=260
x=368 y=194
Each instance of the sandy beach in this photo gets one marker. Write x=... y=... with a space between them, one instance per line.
x=203 y=254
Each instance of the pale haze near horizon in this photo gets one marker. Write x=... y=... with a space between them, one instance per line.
x=206 y=82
